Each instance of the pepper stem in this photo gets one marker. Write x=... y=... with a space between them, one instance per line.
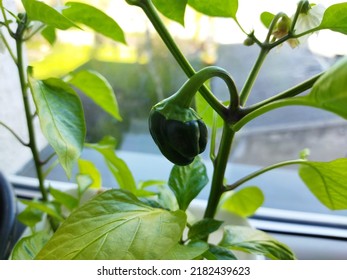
x=183 y=97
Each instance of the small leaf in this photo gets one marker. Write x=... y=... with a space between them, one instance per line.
x=117 y=166
x=186 y=252
x=206 y=112
x=244 y=202
x=172 y=9
x=187 y=181
x=64 y=198
x=88 y=168
x=219 y=253
x=95 y=19
x=30 y=216
x=37 y=10
x=327 y=181
x=203 y=228
x=97 y=88
x=255 y=242
x=84 y=182
x=49 y=34
x=115 y=225
x=216 y=8
x=29 y=246
x=335 y=18
x=61 y=118
x=45 y=206
x=266 y=18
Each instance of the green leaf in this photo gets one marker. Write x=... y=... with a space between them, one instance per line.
x=117 y=166
x=187 y=181
x=88 y=168
x=30 y=216
x=330 y=90
x=335 y=18
x=327 y=181
x=116 y=225
x=29 y=246
x=172 y=9
x=206 y=112
x=49 y=34
x=84 y=182
x=64 y=198
x=95 y=19
x=37 y=10
x=61 y=118
x=216 y=8
x=255 y=242
x=219 y=253
x=266 y=18
x=203 y=228
x=166 y=198
x=45 y=206
x=186 y=252
x=97 y=88
x=244 y=202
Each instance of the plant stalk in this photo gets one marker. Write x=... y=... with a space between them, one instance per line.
x=31 y=131
x=220 y=164
x=246 y=90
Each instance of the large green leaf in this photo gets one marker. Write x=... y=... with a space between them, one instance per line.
x=29 y=246
x=117 y=166
x=244 y=202
x=116 y=225
x=95 y=19
x=173 y=9
x=255 y=242
x=37 y=10
x=335 y=18
x=61 y=118
x=97 y=88
x=216 y=8
x=327 y=181
x=187 y=181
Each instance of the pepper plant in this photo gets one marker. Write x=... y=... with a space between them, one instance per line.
x=137 y=222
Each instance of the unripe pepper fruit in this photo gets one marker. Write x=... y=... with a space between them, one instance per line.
x=178 y=131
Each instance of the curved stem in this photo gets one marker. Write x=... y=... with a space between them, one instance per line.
x=296 y=15
x=273 y=26
x=262 y=171
x=189 y=89
x=148 y=8
x=14 y=134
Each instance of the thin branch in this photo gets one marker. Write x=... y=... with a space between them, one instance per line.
x=15 y=134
